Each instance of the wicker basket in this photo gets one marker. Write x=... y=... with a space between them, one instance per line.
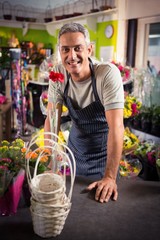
x=46 y=209
x=48 y=225
x=50 y=204
x=47 y=196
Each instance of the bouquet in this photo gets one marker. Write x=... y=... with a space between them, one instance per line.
x=146 y=150
x=125 y=71
x=12 y=164
x=130 y=141
x=131 y=106
x=44 y=156
x=130 y=168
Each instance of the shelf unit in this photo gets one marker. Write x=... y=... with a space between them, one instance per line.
x=89 y=19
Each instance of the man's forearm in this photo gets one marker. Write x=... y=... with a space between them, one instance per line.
x=114 y=152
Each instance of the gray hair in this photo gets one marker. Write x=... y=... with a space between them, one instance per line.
x=74 y=27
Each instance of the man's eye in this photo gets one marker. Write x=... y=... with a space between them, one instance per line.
x=78 y=48
x=65 y=50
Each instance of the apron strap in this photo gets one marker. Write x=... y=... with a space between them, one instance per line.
x=93 y=78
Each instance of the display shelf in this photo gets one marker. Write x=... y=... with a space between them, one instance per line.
x=145 y=136
x=90 y=19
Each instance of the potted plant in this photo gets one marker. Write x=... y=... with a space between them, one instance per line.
x=146 y=119
x=12 y=173
x=155 y=129
x=146 y=152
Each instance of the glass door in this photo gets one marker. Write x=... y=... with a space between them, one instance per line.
x=148 y=58
x=148 y=42
x=153 y=49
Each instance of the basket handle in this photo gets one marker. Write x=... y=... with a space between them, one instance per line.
x=53 y=147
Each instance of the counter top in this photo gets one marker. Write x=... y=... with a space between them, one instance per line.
x=134 y=216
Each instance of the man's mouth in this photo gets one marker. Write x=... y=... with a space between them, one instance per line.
x=73 y=63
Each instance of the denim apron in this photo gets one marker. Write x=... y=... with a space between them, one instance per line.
x=88 y=135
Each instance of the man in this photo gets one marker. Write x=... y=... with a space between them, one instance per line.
x=93 y=93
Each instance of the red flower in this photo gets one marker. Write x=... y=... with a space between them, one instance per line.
x=56 y=77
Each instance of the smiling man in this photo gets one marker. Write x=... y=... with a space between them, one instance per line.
x=93 y=93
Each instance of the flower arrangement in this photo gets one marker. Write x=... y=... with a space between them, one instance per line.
x=12 y=156
x=57 y=79
x=45 y=67
x=12 y=173
x=146 y=150
x=124 y=70
x=43 y=155
x=131 y=106
x=148 y=153
x=130 y=168
x=46 y=156
x=130 y=141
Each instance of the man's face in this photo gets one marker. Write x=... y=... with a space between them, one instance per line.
x=74 y=54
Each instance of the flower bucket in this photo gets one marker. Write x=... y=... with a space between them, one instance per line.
x=149 y=172
x=10 y=200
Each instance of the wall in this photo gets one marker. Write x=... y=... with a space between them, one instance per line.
x=32 y=35
x=127 y=9
x=142 y=8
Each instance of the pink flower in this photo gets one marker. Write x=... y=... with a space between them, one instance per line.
x=121 y=68
x=3 y=99
x=5 y=160
x=4 y=167
x=134 y=109
x=151 y=157
x=56 y=77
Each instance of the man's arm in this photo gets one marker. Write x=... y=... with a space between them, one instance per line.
x=107 y=187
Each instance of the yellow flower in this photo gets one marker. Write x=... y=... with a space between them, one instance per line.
x=64 y=109
x=130 y=139
x=131 y=106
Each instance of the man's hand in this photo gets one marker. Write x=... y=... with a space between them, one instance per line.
x=105 y=189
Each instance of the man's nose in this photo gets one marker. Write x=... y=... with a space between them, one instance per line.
x=72 y=53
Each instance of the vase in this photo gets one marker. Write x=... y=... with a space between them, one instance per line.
x=149 y=172
x=10 y=200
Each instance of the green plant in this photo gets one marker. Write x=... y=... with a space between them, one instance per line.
x=156 y=121
x=12 y=160
x=12 y=156
x=156 y=115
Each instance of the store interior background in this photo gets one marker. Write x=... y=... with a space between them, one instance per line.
x=136 y=40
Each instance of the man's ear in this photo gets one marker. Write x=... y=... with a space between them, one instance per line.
x=90 y=49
